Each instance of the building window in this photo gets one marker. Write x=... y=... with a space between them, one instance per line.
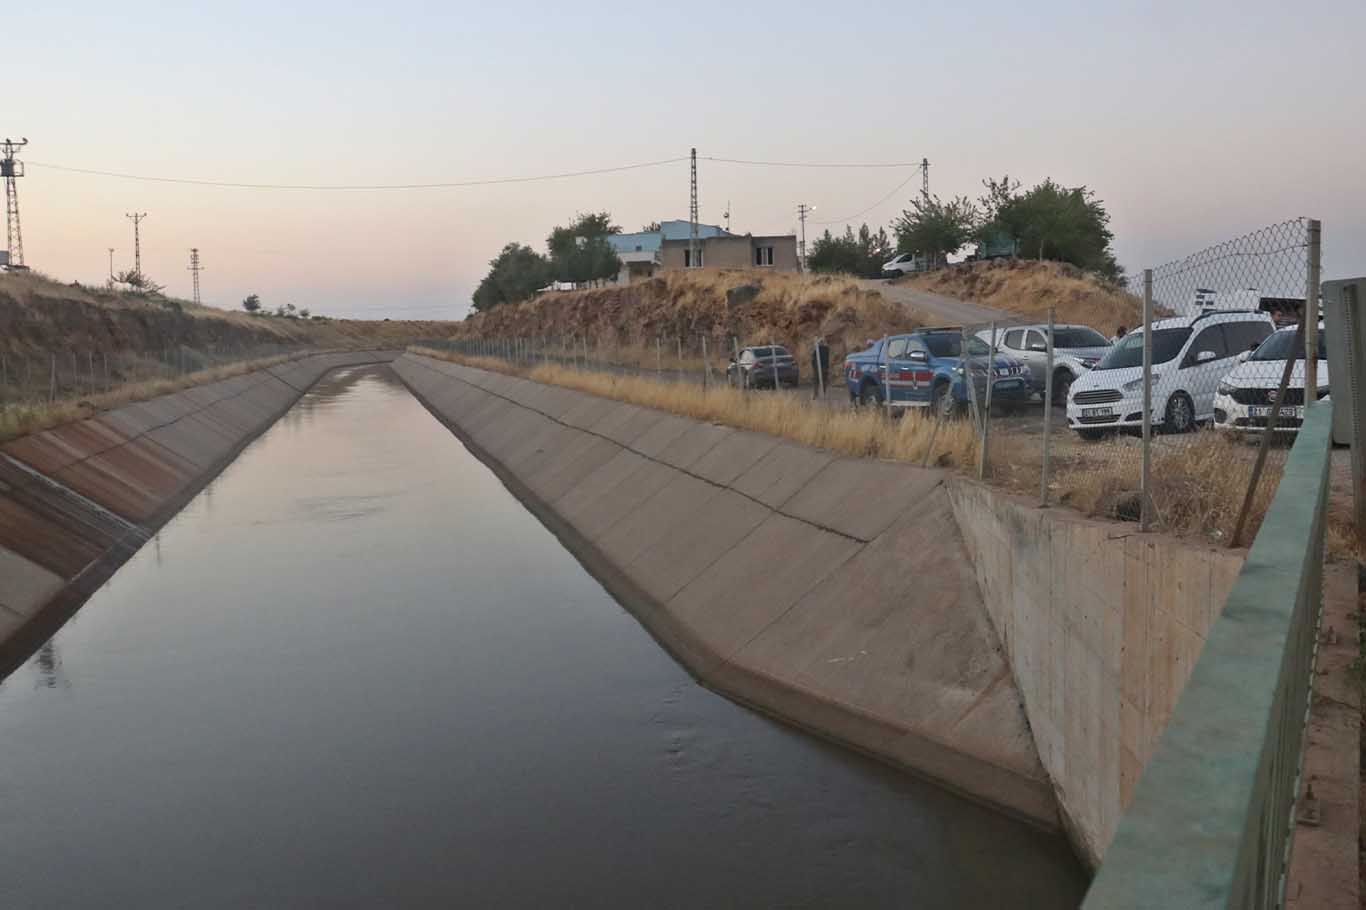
x=687 y=259
x=763 y=255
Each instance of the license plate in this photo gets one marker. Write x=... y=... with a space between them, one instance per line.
x=1098 y=412
x=1008 y=384
x=1288 y=411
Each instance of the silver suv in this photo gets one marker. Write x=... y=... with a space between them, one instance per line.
x=1076 y=349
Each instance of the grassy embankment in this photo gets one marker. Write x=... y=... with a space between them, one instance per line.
x=642 y=324
x=67 y=351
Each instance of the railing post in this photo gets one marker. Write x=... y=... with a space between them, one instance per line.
x=1311 y=312
x=1145 y=508
x=986 y=404
x=1047 y=412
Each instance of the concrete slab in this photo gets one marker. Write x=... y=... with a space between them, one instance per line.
x=135 y=481
x=649 y=522
x=50 y=536
x=591 y=488
x=781 y=473
x=52 y=450
x=544 y=443
x=698 y=440
x=550 y=485
x=589 y=411
x=693 y=544
x=861 y=498
x=641 y=421
x=24 y=585
x=594 y=518
x=758 y=580
x=733 y=456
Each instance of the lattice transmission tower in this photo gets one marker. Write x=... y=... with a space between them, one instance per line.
x=195 y=269
x=694 y=250
x=136 y=218
x=12 y=170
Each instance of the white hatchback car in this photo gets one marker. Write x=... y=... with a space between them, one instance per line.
x=1190 y=355
x=1246 y=395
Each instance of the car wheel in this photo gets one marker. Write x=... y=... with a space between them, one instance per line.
x=1180 y=414
x=1062 y=387
x=1093 y=435
x=870 y=396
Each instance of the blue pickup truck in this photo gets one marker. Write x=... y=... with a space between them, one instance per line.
x=927 y=368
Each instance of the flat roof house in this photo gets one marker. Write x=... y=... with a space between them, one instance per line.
x=644 y=253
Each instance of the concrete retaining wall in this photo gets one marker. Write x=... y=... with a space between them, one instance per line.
x=835 y=593
x=77 y=500
x=1102 y=627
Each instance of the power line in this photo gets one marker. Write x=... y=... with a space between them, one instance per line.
x=896 y=189
x=492 y=181
x=887 y=164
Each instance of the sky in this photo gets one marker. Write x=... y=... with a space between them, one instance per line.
x=1193 y=122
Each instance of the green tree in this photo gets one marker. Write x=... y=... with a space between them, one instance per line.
x=252 y=304
x=936 y=228
x=581 y=252
x=514 y=275
x=1051 y=221
x=862 y=254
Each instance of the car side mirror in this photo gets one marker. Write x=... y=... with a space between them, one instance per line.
x=1204 y=357
x=1242 y=358
x=920 y=357
x=1038 y=346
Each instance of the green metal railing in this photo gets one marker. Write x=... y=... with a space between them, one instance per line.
x=1211 y=819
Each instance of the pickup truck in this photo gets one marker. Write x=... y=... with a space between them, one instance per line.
x=927 y=369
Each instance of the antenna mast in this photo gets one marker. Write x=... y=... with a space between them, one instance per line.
x=693 y=250
x=11 y=170
x=195 y=268
x=136 y=218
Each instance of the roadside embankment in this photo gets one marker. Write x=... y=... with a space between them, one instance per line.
x=77 y=500
x=832 y=592
x=1102 y=627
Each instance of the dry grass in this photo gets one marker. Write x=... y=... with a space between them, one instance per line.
x=865 y=433
x=1030 y=288
x=21 y=419
x=754 y=306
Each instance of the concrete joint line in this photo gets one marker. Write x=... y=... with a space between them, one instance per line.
x=649 y=458
x=67 y=493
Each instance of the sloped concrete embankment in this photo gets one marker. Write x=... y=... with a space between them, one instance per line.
x=832 y=592
x=1102 y=627
x=76 y=501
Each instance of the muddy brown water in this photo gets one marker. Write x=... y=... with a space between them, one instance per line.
x=356 y=672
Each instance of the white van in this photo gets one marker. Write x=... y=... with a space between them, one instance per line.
x=1191 y=354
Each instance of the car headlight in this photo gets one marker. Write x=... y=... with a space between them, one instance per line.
x=1225 y=389
x=1135 y=385
x=1089 y=362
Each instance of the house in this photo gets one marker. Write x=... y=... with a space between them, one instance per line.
x=645 y=253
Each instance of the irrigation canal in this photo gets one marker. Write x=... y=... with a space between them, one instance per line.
x=355 y=672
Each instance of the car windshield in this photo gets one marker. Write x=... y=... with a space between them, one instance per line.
x=1279 y=344
x=761 y=353
x=1128 y=351
x=950 y=344
x=1080 y=337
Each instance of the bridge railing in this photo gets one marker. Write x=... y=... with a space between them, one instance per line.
x=1211 y=819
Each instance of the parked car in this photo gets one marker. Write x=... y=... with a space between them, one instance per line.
x=756 y=367
x=928 y=368
x=904 y=264
x=1245 y=396
x=1190 y=355
x=1076 y=349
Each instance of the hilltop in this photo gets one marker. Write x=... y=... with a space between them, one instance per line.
x=40 y=314
x=1029 y=287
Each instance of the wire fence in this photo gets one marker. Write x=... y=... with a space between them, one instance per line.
x=1182 y=420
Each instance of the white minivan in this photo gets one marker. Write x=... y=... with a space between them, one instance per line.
x=1191 y=354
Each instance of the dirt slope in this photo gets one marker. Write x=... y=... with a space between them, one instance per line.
x=41 y=315
x=1028 y=288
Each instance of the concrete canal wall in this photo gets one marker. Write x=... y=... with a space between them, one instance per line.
x=835 y=593
x=77 y=500
x=1102 y=627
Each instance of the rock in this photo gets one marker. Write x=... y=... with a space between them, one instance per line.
x=741 y=295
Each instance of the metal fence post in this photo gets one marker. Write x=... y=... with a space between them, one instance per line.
x=706 y=366
x=735 y=356
x=659 y=358
x=773 y=360
x=986 y=407
x=1311 y=313
x=1047 y=411
x=1145 y=508
x=679 y=339
x=820 y=370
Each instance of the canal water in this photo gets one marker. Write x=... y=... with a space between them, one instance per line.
x=356 y=672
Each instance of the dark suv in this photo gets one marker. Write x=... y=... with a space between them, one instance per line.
x=763 y=368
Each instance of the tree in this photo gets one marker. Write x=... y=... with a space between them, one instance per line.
x=514 y=275
x=580 y=251
x=304 y=314
x=139 y=282
x=652 y=226
x=252 y=304
x=861 y=255
x=936 y=228
x=1050 y=221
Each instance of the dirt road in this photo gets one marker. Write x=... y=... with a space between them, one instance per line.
x=935 y=307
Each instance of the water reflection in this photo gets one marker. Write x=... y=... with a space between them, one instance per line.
x=368 y=677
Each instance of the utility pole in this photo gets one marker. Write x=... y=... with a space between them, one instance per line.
x=727 y=216
x=111 y=263
x=925 y=177
x=802 y=211
x=137 y=240
x=195 y=268
x=693 y=248
x=12 y=170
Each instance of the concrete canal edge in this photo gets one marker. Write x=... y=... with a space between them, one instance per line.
x=77 y=501
x=833 y=593
x=1028 y=658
